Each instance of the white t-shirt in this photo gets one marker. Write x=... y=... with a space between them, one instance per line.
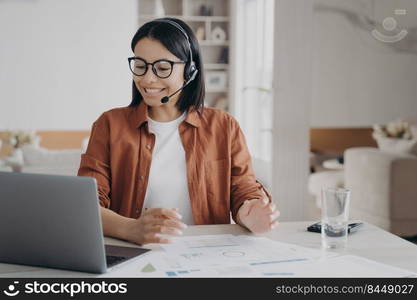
x=167 y=184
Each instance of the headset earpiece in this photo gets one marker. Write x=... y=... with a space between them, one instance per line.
x=190 y=71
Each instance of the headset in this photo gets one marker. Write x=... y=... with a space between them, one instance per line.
x=190 y=70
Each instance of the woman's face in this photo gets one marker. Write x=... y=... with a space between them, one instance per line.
x=151 y=87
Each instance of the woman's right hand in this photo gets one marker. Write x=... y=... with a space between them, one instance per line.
x=154 y=222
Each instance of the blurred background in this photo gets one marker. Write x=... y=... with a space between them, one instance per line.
x=324 y=90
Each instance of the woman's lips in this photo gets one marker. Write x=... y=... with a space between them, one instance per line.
x=153 y=92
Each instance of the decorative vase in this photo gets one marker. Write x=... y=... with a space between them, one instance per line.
x=159 y=8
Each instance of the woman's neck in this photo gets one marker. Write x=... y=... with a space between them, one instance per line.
x=164 y=113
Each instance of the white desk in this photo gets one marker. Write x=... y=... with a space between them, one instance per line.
x=369 y=242
x=333 y=164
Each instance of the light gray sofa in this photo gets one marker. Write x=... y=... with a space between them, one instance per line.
x=383 y=188
x=35 y=159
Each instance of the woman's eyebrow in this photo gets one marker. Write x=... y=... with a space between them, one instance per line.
x=164 y=58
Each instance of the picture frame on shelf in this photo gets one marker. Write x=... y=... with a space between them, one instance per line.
x=200 y=33
x=216 y=80
x=206 y=10
x=224 y=56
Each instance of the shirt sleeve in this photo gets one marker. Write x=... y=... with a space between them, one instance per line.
x=244 y=185
x=96 y=161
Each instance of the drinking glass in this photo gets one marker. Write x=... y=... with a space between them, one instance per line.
x=334 y=217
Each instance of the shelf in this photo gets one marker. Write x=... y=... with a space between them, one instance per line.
x=213 y=43
x=217 y=90
x=190 y=18
x=216 y=66
x=213 y=51
x=207 y=18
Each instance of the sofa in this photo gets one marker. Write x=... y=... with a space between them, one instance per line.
x=383 y=188
x=35 y=159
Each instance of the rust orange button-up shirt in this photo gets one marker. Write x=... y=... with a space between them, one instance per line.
x=219 y=171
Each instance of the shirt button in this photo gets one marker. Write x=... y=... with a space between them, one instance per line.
x=148 y=147
x=141 y=177
x=137 y=211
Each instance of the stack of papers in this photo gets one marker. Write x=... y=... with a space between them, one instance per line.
x=247 y=256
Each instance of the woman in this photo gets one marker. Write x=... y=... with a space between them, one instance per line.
x=164 y=162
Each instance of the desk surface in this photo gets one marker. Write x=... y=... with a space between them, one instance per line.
x=370 y=242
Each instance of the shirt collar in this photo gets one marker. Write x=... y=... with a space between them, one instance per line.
x=140 y=116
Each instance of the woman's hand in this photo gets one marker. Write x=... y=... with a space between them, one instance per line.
x=155 y=221
x=258 y=215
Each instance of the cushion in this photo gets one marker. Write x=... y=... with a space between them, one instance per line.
x=84 y=144
x=37 y=156
x=327 y=179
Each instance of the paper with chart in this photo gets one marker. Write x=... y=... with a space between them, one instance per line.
x=219 y=250
x=246 y=256
x=223 y=255
x=342 y=266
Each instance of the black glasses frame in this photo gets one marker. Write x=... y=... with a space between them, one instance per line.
x=172 y=63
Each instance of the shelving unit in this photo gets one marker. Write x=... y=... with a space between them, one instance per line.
x=205 y=17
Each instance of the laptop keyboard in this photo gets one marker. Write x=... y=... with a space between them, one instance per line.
x=112 y=260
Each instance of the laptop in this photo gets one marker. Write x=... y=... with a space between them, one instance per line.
x=54 y=221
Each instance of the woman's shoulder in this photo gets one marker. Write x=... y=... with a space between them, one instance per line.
x=211 y=114
x=218 y=123
x=115 y=115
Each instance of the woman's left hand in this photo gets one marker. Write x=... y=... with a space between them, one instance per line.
x=258 y=215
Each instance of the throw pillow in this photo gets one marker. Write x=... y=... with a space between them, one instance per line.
x=37 y=156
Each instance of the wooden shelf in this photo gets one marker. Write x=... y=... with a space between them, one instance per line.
x=212 y=51
x=213 y=43
x=190 y=18
x=216 y=66
x=206 y=18
x=225 y=90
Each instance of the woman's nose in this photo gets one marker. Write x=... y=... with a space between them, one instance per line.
x=149 y=75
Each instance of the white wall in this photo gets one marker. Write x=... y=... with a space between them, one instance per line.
x=358 y=80
x=291 y=106
x=62 y=63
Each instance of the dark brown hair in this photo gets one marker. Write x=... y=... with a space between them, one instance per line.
x=175 y=41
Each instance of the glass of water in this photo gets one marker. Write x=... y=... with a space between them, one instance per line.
x=334 y=217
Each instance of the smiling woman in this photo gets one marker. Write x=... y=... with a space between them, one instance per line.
x=165 y=161
x=173 y=53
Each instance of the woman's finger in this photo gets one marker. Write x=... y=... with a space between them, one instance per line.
x=265 y=202
x=274 y=216
x=273 y=225
x=170 y=213
x=168 y=223
x=166 y=230
x=155 y=238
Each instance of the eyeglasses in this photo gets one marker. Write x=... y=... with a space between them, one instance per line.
x=161 y=68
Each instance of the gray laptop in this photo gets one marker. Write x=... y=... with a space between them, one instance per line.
x=54 y=221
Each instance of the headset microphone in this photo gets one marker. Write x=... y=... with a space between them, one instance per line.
x=166 y=98
x=190 y=70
